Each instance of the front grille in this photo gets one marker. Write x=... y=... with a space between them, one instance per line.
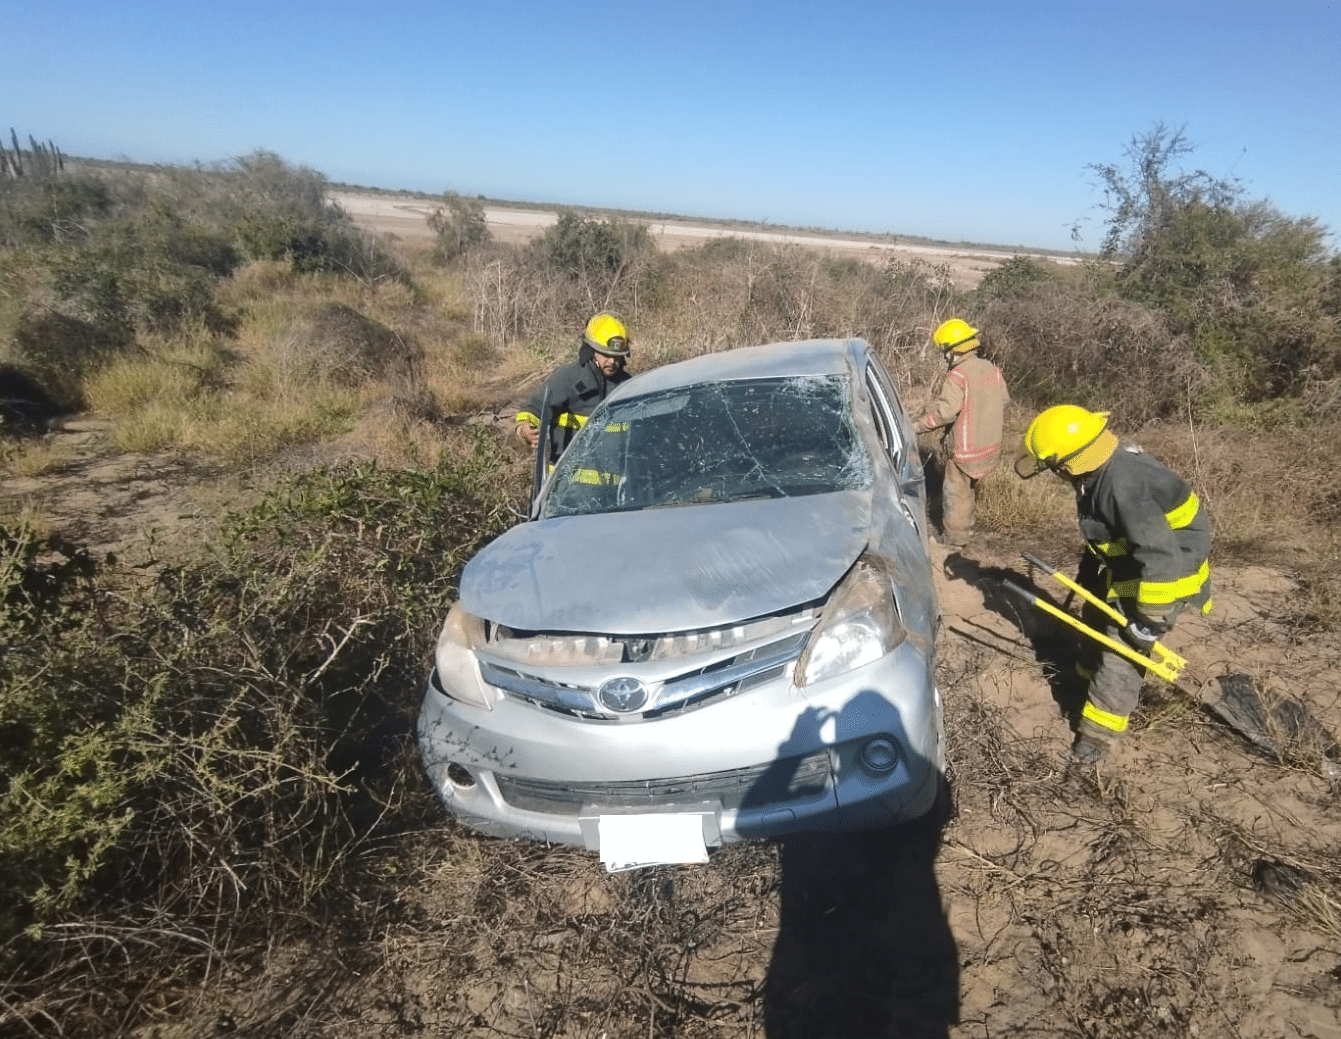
x=778 y=782
x=687 y=690
x=543 y=649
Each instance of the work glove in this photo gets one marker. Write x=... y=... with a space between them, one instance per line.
x=1091 y=575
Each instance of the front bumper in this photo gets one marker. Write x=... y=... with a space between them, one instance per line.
x=763 y=763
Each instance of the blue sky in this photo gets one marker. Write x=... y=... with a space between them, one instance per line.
x=960 y=121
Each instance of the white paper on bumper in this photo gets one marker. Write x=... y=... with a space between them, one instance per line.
x=631 y=841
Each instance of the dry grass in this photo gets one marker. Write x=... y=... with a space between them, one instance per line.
x=1271 y=497
x=26 y=516
x=34 y=458
x=1043 y=505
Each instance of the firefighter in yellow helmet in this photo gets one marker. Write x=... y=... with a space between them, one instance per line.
x=565 y=399
x=1148 y=541
x=970 y=409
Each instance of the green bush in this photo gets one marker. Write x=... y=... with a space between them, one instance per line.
x=136 y=276
x=1015 y=277
x=1251 y=288
x=459 y=226
x=605 y=264
x=103 y=262
x=137 y=288
x=46 y=600
x=277 y=211
x=201 y=753
x=727 y=249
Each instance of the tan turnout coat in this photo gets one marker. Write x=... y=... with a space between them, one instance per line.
x=972 y=402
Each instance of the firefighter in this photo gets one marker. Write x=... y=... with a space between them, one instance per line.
x=570 y=394
x=970 y=408
x=1148 y=541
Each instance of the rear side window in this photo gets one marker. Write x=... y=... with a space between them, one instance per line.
x=883 y=412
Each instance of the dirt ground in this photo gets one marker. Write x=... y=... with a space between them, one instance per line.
x=1190 y=886
x=404 y=217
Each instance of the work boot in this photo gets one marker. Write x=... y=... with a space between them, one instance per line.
x=952 y=539
x=1088 y=751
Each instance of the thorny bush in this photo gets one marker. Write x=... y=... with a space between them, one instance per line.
x=195 y=755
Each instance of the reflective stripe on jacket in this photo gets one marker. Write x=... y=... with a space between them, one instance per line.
x=1150 y=528
x=972 y=401
x=574 y=391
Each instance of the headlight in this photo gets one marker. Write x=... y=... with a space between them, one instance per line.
x=458 y=673
x=859 y=625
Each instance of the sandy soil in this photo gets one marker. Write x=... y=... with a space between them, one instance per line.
x=405 y=216
x=1189 y=887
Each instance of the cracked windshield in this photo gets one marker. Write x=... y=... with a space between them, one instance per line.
x=715 y=442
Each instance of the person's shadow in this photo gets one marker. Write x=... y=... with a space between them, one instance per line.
x=1058 y=649
x=864 y=950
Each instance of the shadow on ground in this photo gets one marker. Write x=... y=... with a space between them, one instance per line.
x=864 y=950
x=1056 y=648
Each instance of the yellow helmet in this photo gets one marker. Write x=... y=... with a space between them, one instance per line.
x=955 y=336
x=607 y=335
x=1070 y=439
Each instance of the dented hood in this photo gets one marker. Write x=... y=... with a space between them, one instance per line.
x=667 y=569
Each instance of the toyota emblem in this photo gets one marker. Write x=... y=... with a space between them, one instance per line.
x=622 y=695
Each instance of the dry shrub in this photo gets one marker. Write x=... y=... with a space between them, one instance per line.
x=414 y=431
x=1321 y=399
x=260 y=278
x=728 y=292
x=56 y=351
x=510 y=301
x=786 y=296
x=740 y=293
x=1043 y=507
x=335 y=343
x=1311 y=896
x=1270 y=497
x=1059 y=345
x=528 y=293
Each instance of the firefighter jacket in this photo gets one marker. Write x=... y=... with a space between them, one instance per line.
x=569 y=395
x=972 y=403
x=1148 y=526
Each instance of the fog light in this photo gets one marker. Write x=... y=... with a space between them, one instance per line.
x=460 y=776
x=880 y=755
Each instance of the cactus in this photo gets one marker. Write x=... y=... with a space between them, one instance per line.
x=45 y=161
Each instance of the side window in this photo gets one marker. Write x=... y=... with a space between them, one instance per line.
x=891 y=438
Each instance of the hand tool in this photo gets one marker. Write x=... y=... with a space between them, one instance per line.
x=1278 y=728
x=1162 y=661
